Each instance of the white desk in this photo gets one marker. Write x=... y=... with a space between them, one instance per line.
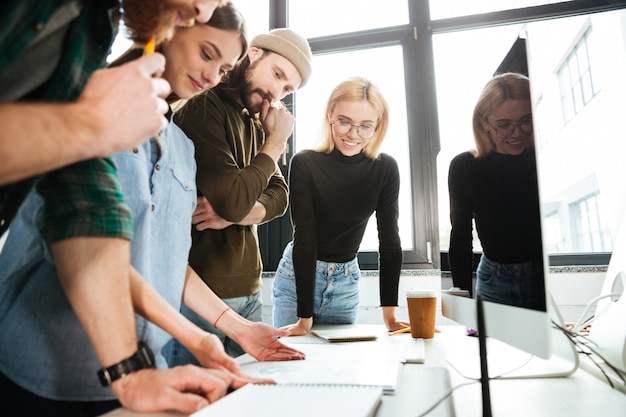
x=580 y=394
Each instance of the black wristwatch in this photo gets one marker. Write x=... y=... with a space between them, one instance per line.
x=142 y=359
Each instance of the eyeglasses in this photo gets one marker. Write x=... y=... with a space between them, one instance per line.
x=506 y=129
x=343 y=127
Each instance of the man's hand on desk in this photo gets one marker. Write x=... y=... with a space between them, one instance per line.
x=183 y=388
x=302 y=327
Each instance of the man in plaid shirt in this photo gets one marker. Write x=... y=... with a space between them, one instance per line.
x=56 y=109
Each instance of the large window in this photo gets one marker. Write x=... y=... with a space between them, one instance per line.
x=385 y=67
x=331 y=17
x=431 y=58
x=576 y=79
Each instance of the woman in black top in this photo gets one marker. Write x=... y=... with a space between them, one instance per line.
x=333 y=192
x=496 y=186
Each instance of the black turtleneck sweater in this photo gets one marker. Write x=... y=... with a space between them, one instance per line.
x=332 y=197
x=500 y=192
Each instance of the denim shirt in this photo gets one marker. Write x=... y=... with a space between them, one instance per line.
x=43 y=347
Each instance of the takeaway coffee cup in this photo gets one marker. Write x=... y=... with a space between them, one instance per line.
x=422 y=305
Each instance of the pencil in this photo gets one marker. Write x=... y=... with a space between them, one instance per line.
x=405 y=330
x=149 y=48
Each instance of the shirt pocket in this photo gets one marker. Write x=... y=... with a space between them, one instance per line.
x=182 y=197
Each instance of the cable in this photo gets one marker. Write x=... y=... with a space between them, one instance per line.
x=580 y=322
x=445 y=396
x=473 y=381
x=575 y=339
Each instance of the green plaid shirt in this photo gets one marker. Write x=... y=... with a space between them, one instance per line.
x=83 y=199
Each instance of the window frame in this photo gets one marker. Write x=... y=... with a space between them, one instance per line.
x=424 y=142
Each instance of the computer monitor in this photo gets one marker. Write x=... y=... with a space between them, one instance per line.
x=527 y=329
x=607 y=335
x=576 y=68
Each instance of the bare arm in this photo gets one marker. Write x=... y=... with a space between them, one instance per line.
x=94 y=273
x=391 y=322
x=258 y=339
x=205 y=346
x=119 y=108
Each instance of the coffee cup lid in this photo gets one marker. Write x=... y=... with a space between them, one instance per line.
x=421 y=293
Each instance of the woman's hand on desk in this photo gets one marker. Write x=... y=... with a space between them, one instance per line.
x=302 y=327
x=393 y=324
x=261 y=341
x=210 y=353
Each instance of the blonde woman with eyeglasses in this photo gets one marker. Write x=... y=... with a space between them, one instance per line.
x=334 y=190
x=495 y=186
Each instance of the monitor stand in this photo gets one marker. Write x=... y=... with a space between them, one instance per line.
x=482 y=346
x=507 y=362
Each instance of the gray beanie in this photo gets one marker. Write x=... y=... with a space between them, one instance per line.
x=290 y=45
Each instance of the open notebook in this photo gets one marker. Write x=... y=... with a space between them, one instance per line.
x=303 y=400
x=365 y=364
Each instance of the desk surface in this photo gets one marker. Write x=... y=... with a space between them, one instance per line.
x=579 y=394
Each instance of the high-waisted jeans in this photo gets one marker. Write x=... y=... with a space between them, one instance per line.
x=520 y=285
x=336 y=295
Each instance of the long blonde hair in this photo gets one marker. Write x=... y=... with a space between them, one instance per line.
x=357 y=89
x=502 y=87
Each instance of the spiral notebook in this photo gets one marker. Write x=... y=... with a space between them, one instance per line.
x=345 y=335
x=303 y=400
x=370 y=364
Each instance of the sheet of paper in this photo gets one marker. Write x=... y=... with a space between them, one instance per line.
x=361 y=363
x=300 y=400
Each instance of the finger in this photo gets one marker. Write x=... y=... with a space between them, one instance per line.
x=161 y=87
x=231 y=365
x=248 y=379
x=285 y=356
x=151 y=65
x=220 y=380
x=265 y=108
x=185 y=402
x=282 y=332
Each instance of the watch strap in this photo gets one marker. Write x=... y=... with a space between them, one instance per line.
x=142 y=359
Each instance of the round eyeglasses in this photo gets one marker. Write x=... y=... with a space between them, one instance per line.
x=343 y=127
x=506 y=129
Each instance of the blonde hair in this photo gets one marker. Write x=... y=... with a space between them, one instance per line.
x=357 y=89
x=502 y=87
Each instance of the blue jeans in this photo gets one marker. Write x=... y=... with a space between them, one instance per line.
x=250 y=307
x=520 y=285
x=336 y=294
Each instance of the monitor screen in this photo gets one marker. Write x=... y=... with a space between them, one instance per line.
x=502 y=210
x=576 y=67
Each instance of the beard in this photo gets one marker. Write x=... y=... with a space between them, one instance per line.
x=249 y=92
x=143 y=22
x=247 y=98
